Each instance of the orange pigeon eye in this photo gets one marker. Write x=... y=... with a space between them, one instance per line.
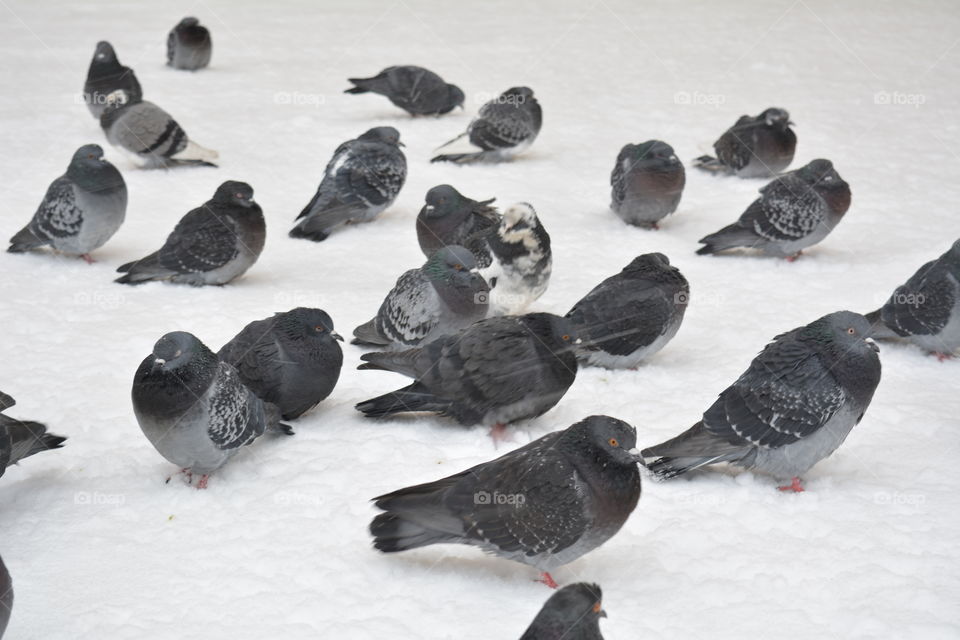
x=458 y=267
x=565 y=337
x=596 y=607
x=613 y=442
x=319 y=327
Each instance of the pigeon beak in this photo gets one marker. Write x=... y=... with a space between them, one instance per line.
x=636 y=455
x=602 y=614
x=429 y=209
x=336 y=336
x=873 y=345
x=578 y=341
x=157 y=364
x=400 y=144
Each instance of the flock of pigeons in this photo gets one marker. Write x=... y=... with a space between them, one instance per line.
x=456 y=326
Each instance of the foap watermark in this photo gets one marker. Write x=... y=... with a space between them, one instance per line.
x=499 y=98
x=711 y=299
x=908 y=298
x=698 y=98
x=485 y=498
x=97 y=499
x=296 y=499
x=297 y=99
x=899 y=99
x=898 y=498
x=103 y=299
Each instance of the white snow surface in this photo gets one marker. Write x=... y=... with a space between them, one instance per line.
x=99 y=547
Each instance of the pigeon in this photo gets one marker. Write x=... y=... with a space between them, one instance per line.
x=791 y=409
x=545 y=504
x=151 y=134
x=189 y=45
x=926 y=310
x=647 y=183
x=631 y=316
x=6 y=597
x=21 y=439
x=572 y=613
x=361 y=181
x=195 y=409
x=105 y=76
x=418 y=91
x=759 y=147
x=81 y=210
x=795 y=211
x=291 y=360
x=213 y=244
x=505 y=127
x=449 y=217
x=442 y=297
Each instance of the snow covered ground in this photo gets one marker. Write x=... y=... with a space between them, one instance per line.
x=99 y=547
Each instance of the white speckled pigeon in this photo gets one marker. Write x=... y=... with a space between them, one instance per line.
x=189 y=46
x=6 y=597
x=105 y=76
x=754 y=147
x=20 y=439
x=416 y=90
x=572 y=613
x=647 y=183
x=449 y=217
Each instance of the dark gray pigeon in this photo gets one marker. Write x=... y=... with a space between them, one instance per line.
x=792 y=408
x=361 y=181
x=545 y=504
x=442 y=297
x=105 y=76
x=193 y=407
x=189 y=46
x=449 y=218
x=292 y=359
x=213 y=244
x=572 y=613
x=505 y=127
x=6 y=597
x=631 y=316
x=754 y=147
x=926 y=310
x=81 y=210
x=416 y=90
x=647 y=183
x=21 y=439
x=795 y=211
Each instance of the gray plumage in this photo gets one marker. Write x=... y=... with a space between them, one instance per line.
x=416 y=90
x=755 y=147
x=451 y=218
x=572 y=613
x=20 y=439
x=647 y=183
x=6 y=597
x=105 y=76
x=189 y=46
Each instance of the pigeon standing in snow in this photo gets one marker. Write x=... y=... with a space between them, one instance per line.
x=81 y=210
x=449 y=218
x=792 y=408
x=6 y=597
x=105 y=76
x=442 y=297
x=647 y=183
x=20 y=439
x=631 y=316
x=572 y=613
x=795 y=211
x=416 y=90
x=544 y=504
x=189 y=46
x=213 y=244
x=754 y=147
x=291 y=360
x=361 y=180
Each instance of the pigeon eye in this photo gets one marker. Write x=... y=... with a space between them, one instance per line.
x=319 y=328
x=565 y=337
x=90 y=155
x=240 y=195
x=851 y=330
x=596 y=607
x=613 y=443
x=458 y=267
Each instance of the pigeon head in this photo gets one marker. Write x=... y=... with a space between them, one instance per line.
x=455 y=97
x=518 y=218
x=574 y=611
x=387 y=135
x=189 y=21
x=449 y=262
x=953 y=254
x=104 y=53
x=89 y=156
x=556 y=332
x=441 y=201
x=648 y=262
x=175 y=350
x=652 y=154
x=820 y=174
x=605 y=440
x=516 y=95
x=775 y=117
x=307 y=323
x=840 y=334
x=234 y=192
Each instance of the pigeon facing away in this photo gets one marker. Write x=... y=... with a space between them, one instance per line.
x=451 y=218
x=105 y=76
x=758 y=147
x=631 y=316
x=505 y=127
x=792 y=408
x=193 y=407
x=291 y=360
x=416 y=90
x=6 y=597
x=361 y=181
x=81 y=210
x=189 y=46
x=795 y=211
x=544 y=504
x=19 y=440
x=572 y=613
x=442 y=297
x=647 y=183
x=213 y=244
x=926 y=310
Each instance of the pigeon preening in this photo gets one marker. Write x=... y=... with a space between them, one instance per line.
x=194 y=408
x=105 y=76
x=795 y=211
x=81 y=210
x=213 y=244
x=754 y=147
x=505 y=127
x=647 y=183
x=449 y=218
x=631 y=316
x=442 y=297
x=545 y=504
x=792 y=408
x=6 y=597
x=361 y=180
x=292 y=360
x=572 y=613
x=189 y=46
x=926 y=310
x=20 y=439
x=418 y=91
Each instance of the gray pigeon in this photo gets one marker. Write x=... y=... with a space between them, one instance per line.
x=795 y=211
x=631 y=316
x=449 y=217
x=189 y=46
x=6 y=597
x=21 y=439
x=105 y=76
x=572 y=613
x=213 y=244
x=754 y=147
x=193 y=407
x=647 y=183
x=926 y=310
x=292 y=359
x=361 y=181
x=545 y=504
x=505 y=127
x=416 y=90
x=442 y=297
x=792 y=408
x=81 y=210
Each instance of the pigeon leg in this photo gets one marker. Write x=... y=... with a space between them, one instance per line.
x=498 y=433
x=203 y=482
x=169 y=478
x=547 y=579
x=86 y=258
x=794 y=486
x=794 y=257
x=942 y=356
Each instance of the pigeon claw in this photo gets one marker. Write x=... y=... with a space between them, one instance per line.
x=498 y=433
x=942 y=357
x=86 y=258
x=794 y=257
x=202 y=484
x=547 y=579
x=794 y=486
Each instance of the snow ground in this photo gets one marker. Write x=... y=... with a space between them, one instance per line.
x=99 y=547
